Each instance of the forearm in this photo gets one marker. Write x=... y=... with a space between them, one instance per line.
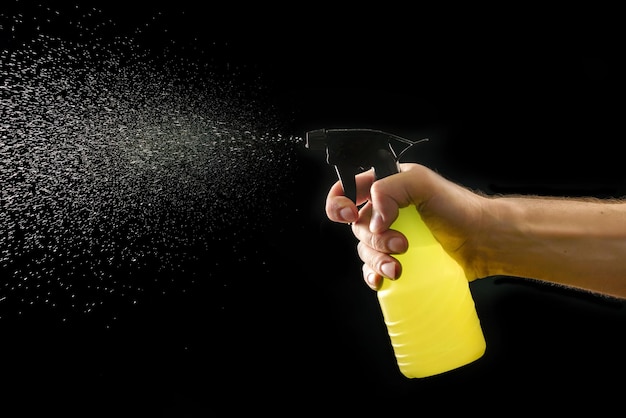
x=576 y=243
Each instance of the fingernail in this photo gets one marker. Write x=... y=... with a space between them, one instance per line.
x=346 y=214
x=396 y=245
x=375 y=222
x=371 y=279
x=389 y=270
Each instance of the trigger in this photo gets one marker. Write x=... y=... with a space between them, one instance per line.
x=347 y=174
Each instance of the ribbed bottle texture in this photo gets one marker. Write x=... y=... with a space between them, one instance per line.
x=429 y=312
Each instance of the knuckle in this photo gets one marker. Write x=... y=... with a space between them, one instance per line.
x=377 y=242
x=372 y=258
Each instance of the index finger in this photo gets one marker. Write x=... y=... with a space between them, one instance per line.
x=340 y=208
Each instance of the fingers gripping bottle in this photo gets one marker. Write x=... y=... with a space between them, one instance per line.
x=429 y=312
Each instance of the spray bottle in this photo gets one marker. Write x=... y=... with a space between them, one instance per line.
x=429 y=312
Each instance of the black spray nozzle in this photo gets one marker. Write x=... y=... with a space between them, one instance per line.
x=352 y=151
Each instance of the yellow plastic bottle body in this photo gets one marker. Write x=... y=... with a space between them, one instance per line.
x=429 y=312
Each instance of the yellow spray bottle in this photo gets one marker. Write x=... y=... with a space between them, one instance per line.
x=429 y=312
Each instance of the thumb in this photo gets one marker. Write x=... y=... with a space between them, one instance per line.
x=389 y=194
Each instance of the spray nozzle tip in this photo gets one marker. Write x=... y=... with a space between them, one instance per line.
x=316 y=140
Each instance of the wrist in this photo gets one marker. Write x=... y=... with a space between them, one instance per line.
x=499 y=239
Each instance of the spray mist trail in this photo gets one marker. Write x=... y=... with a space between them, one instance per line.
x=120 y=173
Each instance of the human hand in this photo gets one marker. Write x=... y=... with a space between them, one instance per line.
x=452 y=213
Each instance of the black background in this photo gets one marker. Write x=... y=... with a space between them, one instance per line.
x=514 y=101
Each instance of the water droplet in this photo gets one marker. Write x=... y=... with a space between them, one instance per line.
x=122 y=165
